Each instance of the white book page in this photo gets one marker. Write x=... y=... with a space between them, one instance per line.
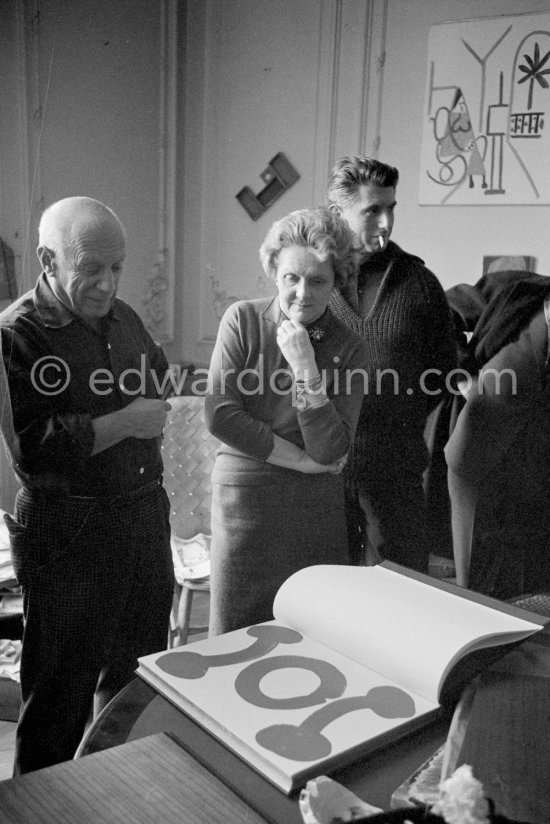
x=408 y=630
x=282 y=702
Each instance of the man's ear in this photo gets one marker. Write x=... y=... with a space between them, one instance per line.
x=46 y=258
x=334 y=207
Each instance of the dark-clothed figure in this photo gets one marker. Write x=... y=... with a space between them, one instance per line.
x=400 y=308
x=90 y=535
x=286 y=390
x=498 y=454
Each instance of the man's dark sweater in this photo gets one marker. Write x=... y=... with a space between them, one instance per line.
x=409 y=331
x=411 y=350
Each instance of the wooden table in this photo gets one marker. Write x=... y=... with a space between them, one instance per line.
x=151 y=779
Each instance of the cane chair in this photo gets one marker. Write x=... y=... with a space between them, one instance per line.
x=188 y=452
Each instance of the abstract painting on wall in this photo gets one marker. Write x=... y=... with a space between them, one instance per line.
x=486 y=117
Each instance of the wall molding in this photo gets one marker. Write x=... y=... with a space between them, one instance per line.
x=366 y=81
x=29 y=126
x=350 y=72
x=328 y=62
x=159 y=299
x=375 y=61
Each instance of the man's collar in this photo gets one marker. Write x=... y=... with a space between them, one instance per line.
x=52 y=311
x=49 y=307
x=379 y=260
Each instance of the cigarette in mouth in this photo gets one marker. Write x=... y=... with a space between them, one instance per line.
x=381 y=241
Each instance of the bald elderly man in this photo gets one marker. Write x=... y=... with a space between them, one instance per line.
x=90 y=535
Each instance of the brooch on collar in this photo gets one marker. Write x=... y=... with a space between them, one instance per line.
x=316 y=333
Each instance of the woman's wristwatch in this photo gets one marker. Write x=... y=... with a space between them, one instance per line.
x=310 y=393
x=304 y=401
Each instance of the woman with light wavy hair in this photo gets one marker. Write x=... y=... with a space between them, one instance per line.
x=286 y=385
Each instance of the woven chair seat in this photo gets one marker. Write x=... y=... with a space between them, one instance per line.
x=188 y=452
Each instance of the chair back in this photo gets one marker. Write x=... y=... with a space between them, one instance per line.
x=188 y=452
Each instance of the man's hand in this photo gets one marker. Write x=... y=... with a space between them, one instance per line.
x=145 y=417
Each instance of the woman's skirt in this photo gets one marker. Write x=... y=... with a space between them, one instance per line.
x=263 y=533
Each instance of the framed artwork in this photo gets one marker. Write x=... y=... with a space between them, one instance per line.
x=486 y=117
x=500 y=263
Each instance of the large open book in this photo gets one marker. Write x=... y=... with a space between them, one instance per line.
x=355 y=658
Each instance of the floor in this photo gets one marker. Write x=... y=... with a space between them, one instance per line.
x=199 y=617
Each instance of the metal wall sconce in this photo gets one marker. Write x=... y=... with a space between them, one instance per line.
x=278 y=176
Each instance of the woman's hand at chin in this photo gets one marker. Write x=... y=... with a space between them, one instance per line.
x=293 y=341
